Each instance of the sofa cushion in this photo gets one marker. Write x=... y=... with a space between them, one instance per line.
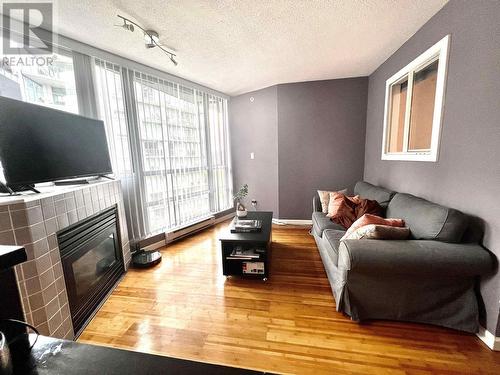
x=427 y=220
x=375 y=193
x=321 y=222
x=331 y=239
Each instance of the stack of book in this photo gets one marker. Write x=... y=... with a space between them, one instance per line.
x=245 y=226
x=245 y=254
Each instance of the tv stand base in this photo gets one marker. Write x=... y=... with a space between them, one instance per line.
x=83 y=181
x=71 y=182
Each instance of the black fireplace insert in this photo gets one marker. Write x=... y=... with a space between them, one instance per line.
x=92 y=261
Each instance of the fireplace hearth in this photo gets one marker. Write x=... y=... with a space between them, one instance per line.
x=92 y=263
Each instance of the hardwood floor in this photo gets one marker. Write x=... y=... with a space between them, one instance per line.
x=185 y=308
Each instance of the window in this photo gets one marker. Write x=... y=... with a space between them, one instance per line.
x=172 y=139
x=414 y=100
x=58 y=95
x=179 y=171
x=111 y=107
x=51 y=86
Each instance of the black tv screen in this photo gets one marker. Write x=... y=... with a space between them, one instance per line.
x=40 y=144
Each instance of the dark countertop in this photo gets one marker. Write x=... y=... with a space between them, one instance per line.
x=54 y=356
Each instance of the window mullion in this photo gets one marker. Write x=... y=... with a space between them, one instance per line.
x=406 y=132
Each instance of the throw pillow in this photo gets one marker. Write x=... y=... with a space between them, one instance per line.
x=324 y=197
x=379 y=232
x=367 y=219
x=367 y=206
x=346 y=210
x=341 y=209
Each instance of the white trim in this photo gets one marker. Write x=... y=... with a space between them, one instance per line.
x=292 y=222
x=439 y=51
x=189 y=228
x=489 y=339
x=167 y=240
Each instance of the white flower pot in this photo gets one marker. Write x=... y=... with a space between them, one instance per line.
x=241 y=213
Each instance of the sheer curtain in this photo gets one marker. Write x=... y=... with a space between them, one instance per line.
x=169 y=145
x=112 y=109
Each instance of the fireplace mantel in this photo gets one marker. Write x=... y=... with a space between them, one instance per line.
x=32 y=220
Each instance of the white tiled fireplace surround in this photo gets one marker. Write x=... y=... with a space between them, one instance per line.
x=32 y=221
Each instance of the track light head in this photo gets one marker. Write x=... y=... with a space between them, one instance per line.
x=128 y=26
x=173 y=60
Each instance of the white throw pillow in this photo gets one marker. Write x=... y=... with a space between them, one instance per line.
x=324 y=197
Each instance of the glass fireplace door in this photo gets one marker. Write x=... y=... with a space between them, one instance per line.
x=92 y=263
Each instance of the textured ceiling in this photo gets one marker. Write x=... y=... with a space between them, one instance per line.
x=239 y=46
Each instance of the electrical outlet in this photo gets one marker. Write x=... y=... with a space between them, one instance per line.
x=252 y=155
x=254 y=202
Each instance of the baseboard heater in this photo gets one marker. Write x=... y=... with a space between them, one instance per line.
x=189 y=229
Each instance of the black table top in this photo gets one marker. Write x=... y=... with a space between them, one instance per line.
x=53 y=356
x=263 y=236
x=11 y=256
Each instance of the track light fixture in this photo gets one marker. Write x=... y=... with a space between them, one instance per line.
x=151 y=37
x=127 y=26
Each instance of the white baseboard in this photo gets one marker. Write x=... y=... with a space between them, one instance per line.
x=489 y=339
x=292 y=222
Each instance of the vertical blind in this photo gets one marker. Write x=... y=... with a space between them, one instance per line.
x=181 y=170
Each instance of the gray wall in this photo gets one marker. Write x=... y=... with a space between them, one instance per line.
x=305 y=136
x=467 y=174
x=321 y=137
x=254 y=128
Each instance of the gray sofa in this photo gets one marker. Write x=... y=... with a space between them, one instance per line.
x=429 y=278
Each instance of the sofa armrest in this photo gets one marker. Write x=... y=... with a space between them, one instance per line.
x=316 y=203
x=418 y=257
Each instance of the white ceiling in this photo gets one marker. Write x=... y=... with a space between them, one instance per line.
x=240 y=46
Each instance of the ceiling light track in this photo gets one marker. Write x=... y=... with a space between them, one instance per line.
x=152 y=37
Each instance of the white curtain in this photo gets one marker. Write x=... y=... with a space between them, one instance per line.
x=112 y=109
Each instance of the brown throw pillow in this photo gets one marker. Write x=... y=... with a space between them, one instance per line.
x=324 y=197
x=379 y=232
x=341 y=209
x=346 y=210
x=367 y=206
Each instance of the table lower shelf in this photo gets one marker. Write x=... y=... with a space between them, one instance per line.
x=245 y=267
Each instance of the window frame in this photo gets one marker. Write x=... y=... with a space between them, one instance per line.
x=438 y=51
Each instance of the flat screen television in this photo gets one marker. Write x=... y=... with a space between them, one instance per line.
x=40 y=144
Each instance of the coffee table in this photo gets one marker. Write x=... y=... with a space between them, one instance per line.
x=255 y=240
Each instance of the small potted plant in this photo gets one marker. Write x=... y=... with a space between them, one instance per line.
x=241 y=211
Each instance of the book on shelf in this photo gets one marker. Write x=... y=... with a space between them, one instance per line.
x=246 y=254
x=253 y=268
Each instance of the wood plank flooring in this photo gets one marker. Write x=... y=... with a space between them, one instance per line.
x=185 y=308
